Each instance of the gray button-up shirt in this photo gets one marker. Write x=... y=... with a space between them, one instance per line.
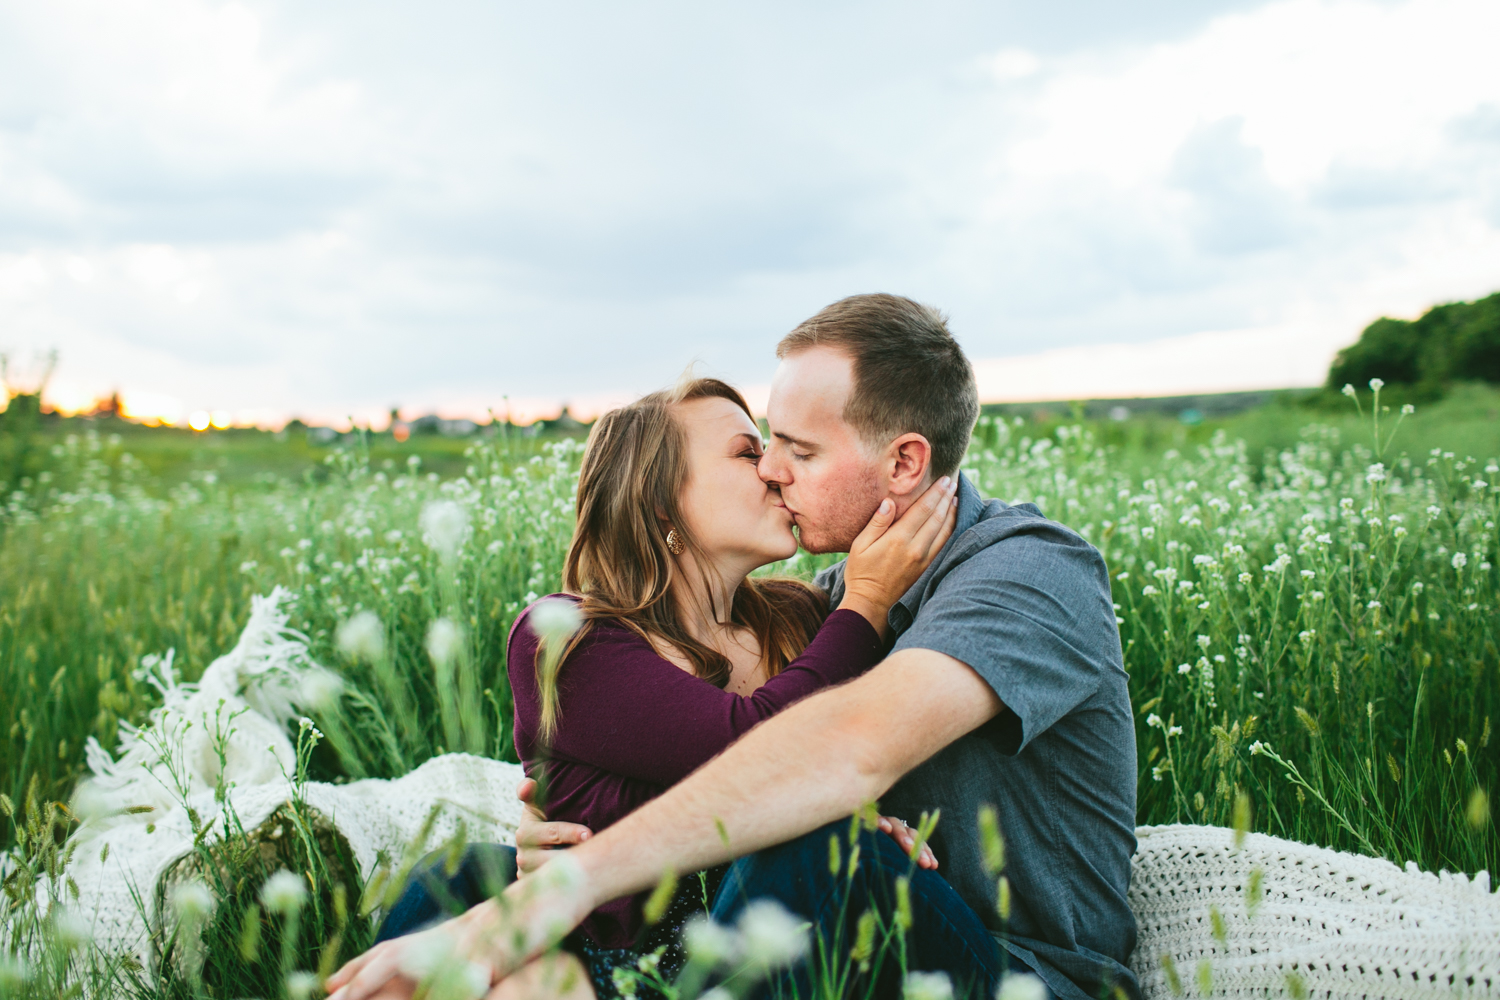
x=1025 y=602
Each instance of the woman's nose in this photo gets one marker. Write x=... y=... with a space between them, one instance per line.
x=768 y=470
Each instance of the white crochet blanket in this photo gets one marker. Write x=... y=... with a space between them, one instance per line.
x=171 y=764
x=1341 y=925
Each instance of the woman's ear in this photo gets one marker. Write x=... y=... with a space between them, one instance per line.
x=908 y=462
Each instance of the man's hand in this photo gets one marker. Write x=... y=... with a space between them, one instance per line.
x=537 y=839
x=887 y=558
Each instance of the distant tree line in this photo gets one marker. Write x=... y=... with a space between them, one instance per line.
x=1459 y=341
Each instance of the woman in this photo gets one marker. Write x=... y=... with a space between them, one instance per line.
x=680 y=650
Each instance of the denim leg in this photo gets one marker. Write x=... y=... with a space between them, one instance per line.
x=431 y=894
x=945 y=934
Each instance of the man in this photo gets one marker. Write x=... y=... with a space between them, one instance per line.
x=1005 y=687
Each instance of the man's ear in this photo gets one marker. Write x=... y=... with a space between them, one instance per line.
x=908 y=459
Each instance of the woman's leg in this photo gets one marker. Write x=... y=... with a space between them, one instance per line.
x=431 y=894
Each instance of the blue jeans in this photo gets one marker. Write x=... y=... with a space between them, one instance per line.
x=945 y=935
x=432 y=894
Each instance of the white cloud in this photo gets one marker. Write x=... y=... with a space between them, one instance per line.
x=259 y=207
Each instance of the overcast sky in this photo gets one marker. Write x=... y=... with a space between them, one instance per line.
x=274 y=208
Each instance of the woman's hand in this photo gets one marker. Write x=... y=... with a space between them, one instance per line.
x=905 y=837
x=536 y=838
x=886 y=559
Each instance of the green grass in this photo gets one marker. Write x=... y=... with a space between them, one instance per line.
x=1333 y=663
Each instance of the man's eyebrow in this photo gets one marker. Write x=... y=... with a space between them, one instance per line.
x=791 y=440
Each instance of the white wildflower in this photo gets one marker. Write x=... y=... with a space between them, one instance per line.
x=709 y=943
x=444 y=639
x=1373 y=605
x=445 y=527
x=425 y=953
x=318 y=688
x=1203 y=606
x=562 y=874
x=1460 y=560
x=1154 y=721
x=1307 y=635
x=13 y=974
x=1184 y=668
x=1204 y=642
x=1377 y=384
x=90 y=802
x=1174 y=731
x=362 y=637
x=772 y=937
x=1324 y=539
x=1149 y=591
x=555 y=620
x=284 y=892
x=927 y=986
x=1348 y=390
x=1478 y=484
x=301 y=985
x=1433 y=510
x=1308 y=574
x=1400 y=531
x=1245 y=578
x=1375 y=474
x=1258 y=747
x=191 y=901
x=1408 y=410
x=1023 y=986
x=70 y=930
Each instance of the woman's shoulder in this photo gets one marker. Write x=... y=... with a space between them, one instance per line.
x=523 y=632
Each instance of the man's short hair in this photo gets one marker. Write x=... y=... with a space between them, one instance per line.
x=910 y=375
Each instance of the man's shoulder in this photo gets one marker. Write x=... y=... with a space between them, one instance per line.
x=1004 y=530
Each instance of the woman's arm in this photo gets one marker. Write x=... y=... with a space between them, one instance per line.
x=627 y=710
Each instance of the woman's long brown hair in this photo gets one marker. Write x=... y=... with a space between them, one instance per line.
x=634 y=470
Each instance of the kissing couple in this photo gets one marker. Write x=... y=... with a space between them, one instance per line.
x=963 y=661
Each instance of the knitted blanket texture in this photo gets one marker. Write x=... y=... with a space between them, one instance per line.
x=241 y=710
x=1267 y=918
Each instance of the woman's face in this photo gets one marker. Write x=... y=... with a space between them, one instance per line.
x=737 y=520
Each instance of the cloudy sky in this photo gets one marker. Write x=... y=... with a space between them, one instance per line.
x=271 y=208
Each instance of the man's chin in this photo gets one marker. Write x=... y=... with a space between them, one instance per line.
x=818 y=545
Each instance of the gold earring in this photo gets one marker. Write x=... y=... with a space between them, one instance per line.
x=674 y=543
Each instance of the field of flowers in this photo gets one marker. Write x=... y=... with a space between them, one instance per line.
x=1311 y=634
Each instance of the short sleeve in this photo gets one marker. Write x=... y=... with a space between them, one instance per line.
x=1031 y=614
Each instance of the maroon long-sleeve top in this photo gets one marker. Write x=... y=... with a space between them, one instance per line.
x=631 y=724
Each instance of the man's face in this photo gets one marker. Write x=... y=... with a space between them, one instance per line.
x=829 y=480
